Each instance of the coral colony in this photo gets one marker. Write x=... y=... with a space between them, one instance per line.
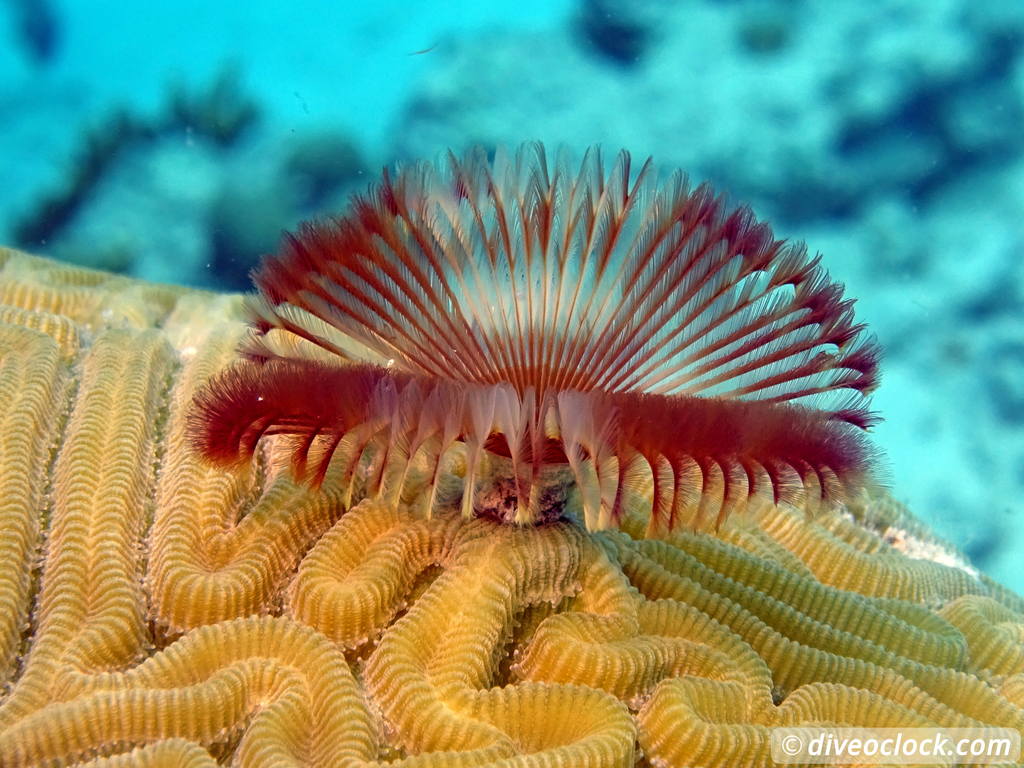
x=580 y=332
x=163 y=611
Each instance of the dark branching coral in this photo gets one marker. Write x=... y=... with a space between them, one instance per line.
x=38 y=28
x=220 y=112
x=559 y=320
x=99 y=148
x=621 y=32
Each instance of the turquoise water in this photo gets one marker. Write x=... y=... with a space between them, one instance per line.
x=174 y=141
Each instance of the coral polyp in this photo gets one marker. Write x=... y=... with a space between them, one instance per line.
x=551 y=319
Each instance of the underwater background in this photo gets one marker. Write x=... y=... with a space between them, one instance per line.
x=175 y=141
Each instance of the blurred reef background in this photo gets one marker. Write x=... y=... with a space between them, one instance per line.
x=175 y=141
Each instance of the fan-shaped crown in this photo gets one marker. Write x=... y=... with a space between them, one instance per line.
x=552 y=313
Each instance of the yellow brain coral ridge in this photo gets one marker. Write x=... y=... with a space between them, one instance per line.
x=156 y=612
x=206 y=564
x=31 y=386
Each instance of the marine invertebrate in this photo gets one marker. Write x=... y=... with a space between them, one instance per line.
x=187 y=615
x=608 y=324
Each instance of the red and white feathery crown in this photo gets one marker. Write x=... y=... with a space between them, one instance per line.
x=636 y=331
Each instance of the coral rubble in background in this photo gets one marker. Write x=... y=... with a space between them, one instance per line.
x=811 y=110
x=158 y=611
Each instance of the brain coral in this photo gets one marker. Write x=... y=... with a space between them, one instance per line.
x=160 y=611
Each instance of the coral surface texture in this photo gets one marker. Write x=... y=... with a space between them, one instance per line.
x=157 y=611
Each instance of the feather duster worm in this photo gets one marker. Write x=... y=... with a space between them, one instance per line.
x=557 y=320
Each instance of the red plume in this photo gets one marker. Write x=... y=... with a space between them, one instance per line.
x=631 y=329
